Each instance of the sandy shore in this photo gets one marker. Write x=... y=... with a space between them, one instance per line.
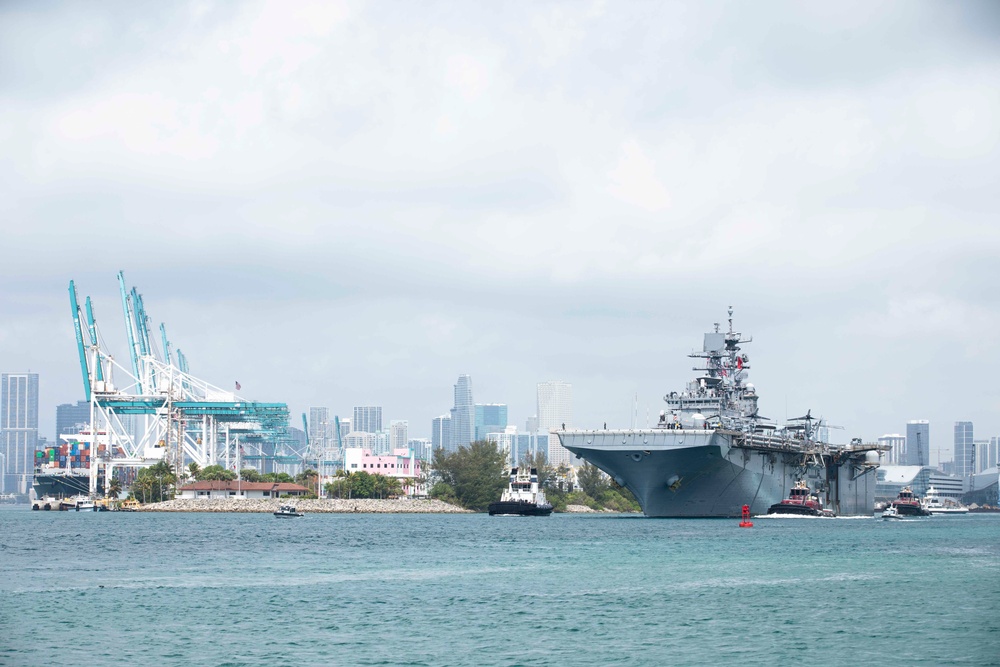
x=400 y=506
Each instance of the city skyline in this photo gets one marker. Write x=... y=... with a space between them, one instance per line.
x=346 y=206
x=321 y=427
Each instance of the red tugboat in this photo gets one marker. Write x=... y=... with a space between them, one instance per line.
x=907 y=504
x=800 y=501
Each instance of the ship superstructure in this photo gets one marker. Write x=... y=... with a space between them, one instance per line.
x=712 y=452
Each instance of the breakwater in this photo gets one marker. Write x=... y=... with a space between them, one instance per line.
x=326 y=506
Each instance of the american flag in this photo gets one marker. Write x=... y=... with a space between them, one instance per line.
x=238 y=387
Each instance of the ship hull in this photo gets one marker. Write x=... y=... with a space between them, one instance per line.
x=908 y=509
x=518 y=508
x=63 y=485
x=795 y=510
x=701 y=473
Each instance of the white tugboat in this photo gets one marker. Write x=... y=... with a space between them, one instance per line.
x=523 y=496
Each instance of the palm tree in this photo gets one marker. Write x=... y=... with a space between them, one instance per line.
x=348 y=480
x=114 y=488
x=393 y=487
x=193 y=470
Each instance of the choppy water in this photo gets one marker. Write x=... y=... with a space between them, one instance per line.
x=217 y=589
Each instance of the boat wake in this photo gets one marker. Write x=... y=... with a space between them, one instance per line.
x=810 y=518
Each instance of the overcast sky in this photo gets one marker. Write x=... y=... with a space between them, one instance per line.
x=352 y=203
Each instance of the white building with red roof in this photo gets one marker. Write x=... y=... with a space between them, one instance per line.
x=236 y=489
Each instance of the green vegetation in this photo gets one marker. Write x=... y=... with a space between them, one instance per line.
x=472 y=477
x=214 y=473
x=596 y=490
x=278 y=477
x=154 y=483
x=363 y=485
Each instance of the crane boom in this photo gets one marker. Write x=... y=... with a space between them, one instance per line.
x=166 y=344
x=92 y=326
x=75 y=307
x=130 y=330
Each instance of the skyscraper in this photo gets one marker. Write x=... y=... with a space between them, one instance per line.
x=18 y=430
x=463 y=415
x=490 y=418
x=441 y=432
x=69 y=417
x=963 y=449
x=319 y=430
x=982 y=458
x=398 y=433
x=897 y=446
x=555 y=405
x=918 y=442
x=367 y=419
x=555 y=410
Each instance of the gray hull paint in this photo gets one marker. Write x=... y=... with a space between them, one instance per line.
x=700 y=474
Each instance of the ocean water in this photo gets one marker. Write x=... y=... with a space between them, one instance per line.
x=230 y=589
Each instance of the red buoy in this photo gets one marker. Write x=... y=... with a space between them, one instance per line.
x=746 y=522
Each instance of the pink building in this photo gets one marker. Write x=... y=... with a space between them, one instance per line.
x=402 y=464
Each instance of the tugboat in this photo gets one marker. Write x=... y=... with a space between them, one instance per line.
x=800 y=501
x=522 y=497
x=907 y=504
x=287 y=511
x=935 y=505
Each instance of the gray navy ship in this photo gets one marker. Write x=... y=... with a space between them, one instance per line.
x=711 y=452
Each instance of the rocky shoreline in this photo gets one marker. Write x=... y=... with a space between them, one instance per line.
x=583 y=509
x=331 y=506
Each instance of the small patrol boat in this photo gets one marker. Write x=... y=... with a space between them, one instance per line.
x=891 y=512
x=287 y=511
x=523 y=496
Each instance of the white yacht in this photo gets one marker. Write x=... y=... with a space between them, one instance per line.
x=934 y=504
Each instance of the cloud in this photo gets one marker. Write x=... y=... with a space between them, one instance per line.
x=348 y=204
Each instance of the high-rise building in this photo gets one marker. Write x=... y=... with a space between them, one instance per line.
x=441 y=432
x=918 y=442
x=555 y=411
x=982 y=458
x=361 y=439
x=421 y=448
x=18 y=430
x=993 y=453
x=964 y=447
x=398 y=433
x=531 y=424
x=490 y=418
x=507 y=441
x=555 y=405
x=367 y=419
x=558 y=455
x=896 y=443
x=528 y=443
x=319 y=430
x=70 y=417
x=463 y=416
x=381 y=443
